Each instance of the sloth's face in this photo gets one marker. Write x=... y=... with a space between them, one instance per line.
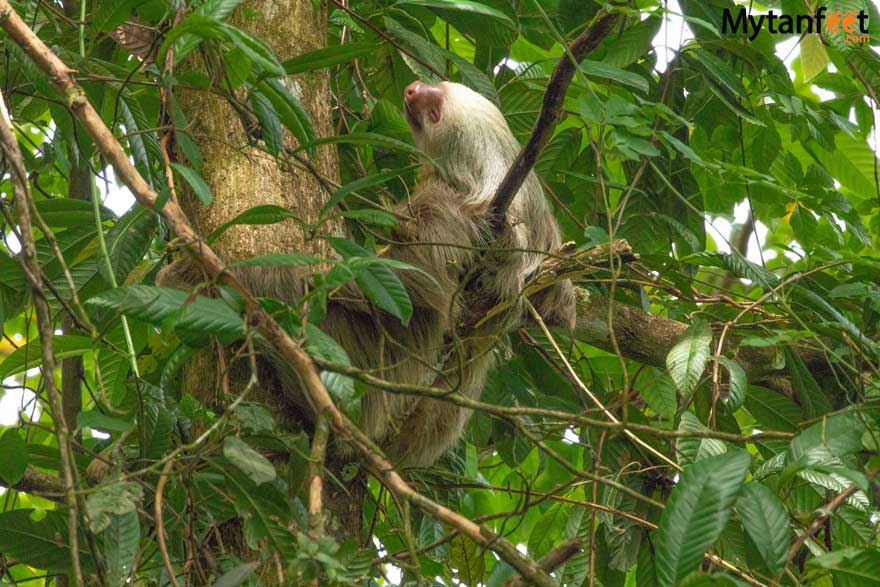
x=423 y=105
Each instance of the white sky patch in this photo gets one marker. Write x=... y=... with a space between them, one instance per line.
x=673 y=33
x=116 y=197
x=13 y=400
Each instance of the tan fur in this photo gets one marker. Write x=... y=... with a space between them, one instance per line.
x=473 y=148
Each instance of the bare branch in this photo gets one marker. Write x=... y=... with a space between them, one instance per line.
x=560 y=79
x=40 y=484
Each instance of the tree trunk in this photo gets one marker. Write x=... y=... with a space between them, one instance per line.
x=242 y=176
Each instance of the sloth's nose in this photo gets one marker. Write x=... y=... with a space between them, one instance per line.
x=412 y=90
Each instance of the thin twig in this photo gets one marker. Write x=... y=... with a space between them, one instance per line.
x=583 y=387
x=160 y=528
x=21 y=190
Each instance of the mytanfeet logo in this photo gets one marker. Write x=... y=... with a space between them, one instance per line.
x=852 y=23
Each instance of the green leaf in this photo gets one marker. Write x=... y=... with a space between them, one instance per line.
x=97 y=421
x=461 y=6
x=341 y=387
x=196 y=316
x=219 y=9
x=109 y=14
x=719 y=71
x=114 y=498
x=14 y=461
x=687 y=359
x=121 y=539
x=28 y=356
x=826 y=441
x=328 y=57
x=266 y=214
x=156 y=421
x=128 y=241
x=250 y=462
x=814 y=57
x=466 y=556
x=661 y=396
x=737 y=265
x=606 y=71
x=764 y=517
x=693 y=449
x=38 y=538
x=270 y=122
x=545 y=533
x=695 y=514
x=381 y=286
x=633 y=43
x=195 y=181
x=363 y=183
x=366 y=138
x=773 y=410
x=851 y=567
x=371 y=216
x=190 y=32
x=67 y=212
x=255 y=49
x=237 y=575
x=738 y=382
x=291 y=113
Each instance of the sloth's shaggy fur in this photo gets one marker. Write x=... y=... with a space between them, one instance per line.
x=444 y=232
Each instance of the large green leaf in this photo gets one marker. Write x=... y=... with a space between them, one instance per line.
x=250 y=462
x=827 y=441
x=851 y=567
x=67 y=212
x=199 y=186
x=764 y=517
x=687 y=359
x=195 y=318
x=328 y=57
x=15 y=456
x=692 y=449
x=28 y=356
x=695 y=514
x=377 y=282
x=121 y=539
x=129 y=240
x=39 y=539
x=461 y=6
x=362 y=184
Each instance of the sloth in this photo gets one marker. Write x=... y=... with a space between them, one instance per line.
x=462 y=269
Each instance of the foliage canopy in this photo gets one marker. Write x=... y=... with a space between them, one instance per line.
x=755 y=459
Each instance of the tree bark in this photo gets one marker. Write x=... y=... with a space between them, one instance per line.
x=242 y=176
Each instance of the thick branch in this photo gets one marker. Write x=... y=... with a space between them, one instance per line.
x=40 y=484
x=554 y=96
x=557 y=556
x=62 y=78
x=647 y=338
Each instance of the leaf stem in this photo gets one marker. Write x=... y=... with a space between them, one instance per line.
x=111 y=276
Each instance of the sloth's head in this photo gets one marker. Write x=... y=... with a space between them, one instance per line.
x=463 y=132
